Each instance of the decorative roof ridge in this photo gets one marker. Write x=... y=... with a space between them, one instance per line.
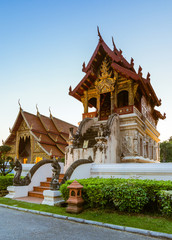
x=106 y=48
x=47 y=143
x=60 y=149
x=160 y=114
x=64 y=122
x=57 y=142
x=158 y=101
x=19 y=114
x=71 y=92
x=129 y=72
x=34 y=130
x=123 y=60
x=48 y=153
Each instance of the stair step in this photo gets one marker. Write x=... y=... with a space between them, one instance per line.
x=45 y=184
x=40 y=188
x=60 y=178
x=35 y=194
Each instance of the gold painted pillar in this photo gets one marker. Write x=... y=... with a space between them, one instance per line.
x=131 y=94
x=85 y=101
x=31 y=148
x=112 y=102
x=17 y=145
x=115 y=97
x=98 y=105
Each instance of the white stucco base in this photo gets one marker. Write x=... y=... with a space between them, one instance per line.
x=52 y=198
x=159 y=171
x=17 y=191
x=39 y=176
x=26 y=168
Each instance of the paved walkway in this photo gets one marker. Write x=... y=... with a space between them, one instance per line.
x=18 y=225
x=30 y=199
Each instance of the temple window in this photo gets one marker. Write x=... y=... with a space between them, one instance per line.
x=105 y=105
x=122 y=99
x=25 y=160
x=38 y=159
x=25 y=149
x=92 y=103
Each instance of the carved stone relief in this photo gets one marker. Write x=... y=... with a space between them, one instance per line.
x=135 y=143
x=127 y=145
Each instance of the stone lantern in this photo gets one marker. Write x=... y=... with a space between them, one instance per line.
x=75 y=201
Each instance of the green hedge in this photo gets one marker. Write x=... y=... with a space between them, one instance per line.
x=165 y=202
x=132 y=195
x=5 y=181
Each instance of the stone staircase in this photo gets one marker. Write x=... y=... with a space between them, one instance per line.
x=38 y=190
x=90 y=135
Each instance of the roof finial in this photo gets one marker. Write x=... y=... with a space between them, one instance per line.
x=50 y=112
x=37 y=109
x=83 y=67
x=114 y=47
x=100 y=37
x=70 y=89
x=148 y=77
x=132 y=62
x=19 y=104
x=140 y=71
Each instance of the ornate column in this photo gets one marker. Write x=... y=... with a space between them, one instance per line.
x=98 y=105
x=144 y=147
x=112 y=102
x=17 y=145
x=115 y=97
x=31 y=148
x=131 y=94
x=85 y=101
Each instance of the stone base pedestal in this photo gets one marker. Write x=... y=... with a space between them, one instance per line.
x=17 y=191
x=52 y=198
x=74 y=208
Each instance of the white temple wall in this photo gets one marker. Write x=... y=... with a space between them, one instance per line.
x=131 y=139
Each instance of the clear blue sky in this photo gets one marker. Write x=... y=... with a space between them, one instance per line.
x=44 y=43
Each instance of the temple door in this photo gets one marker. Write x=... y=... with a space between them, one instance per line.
x=105 y=106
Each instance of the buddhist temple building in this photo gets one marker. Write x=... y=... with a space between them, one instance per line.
x=37 y=137
x=123 y=125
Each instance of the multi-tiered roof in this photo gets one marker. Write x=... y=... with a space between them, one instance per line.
x=49 y=132
x=121 y=66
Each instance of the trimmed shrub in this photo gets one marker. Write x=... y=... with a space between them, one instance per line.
x=130 y=198
x=6 y=181
x=132 y=195
x=165 y=202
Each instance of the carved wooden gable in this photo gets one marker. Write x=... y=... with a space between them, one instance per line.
x=23 y=130
x=106 y=78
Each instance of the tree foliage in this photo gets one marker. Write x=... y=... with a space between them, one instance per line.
x=166 y=151
x=6 y=162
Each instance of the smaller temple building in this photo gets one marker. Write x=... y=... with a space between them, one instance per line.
x=37 y=137
x=123 y=125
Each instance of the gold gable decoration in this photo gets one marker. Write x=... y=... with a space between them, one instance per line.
x=23 y=126
x=105 y=83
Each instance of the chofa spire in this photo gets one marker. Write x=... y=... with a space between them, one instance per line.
x=100 y=37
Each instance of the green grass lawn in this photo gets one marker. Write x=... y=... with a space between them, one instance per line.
x=154 y=223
